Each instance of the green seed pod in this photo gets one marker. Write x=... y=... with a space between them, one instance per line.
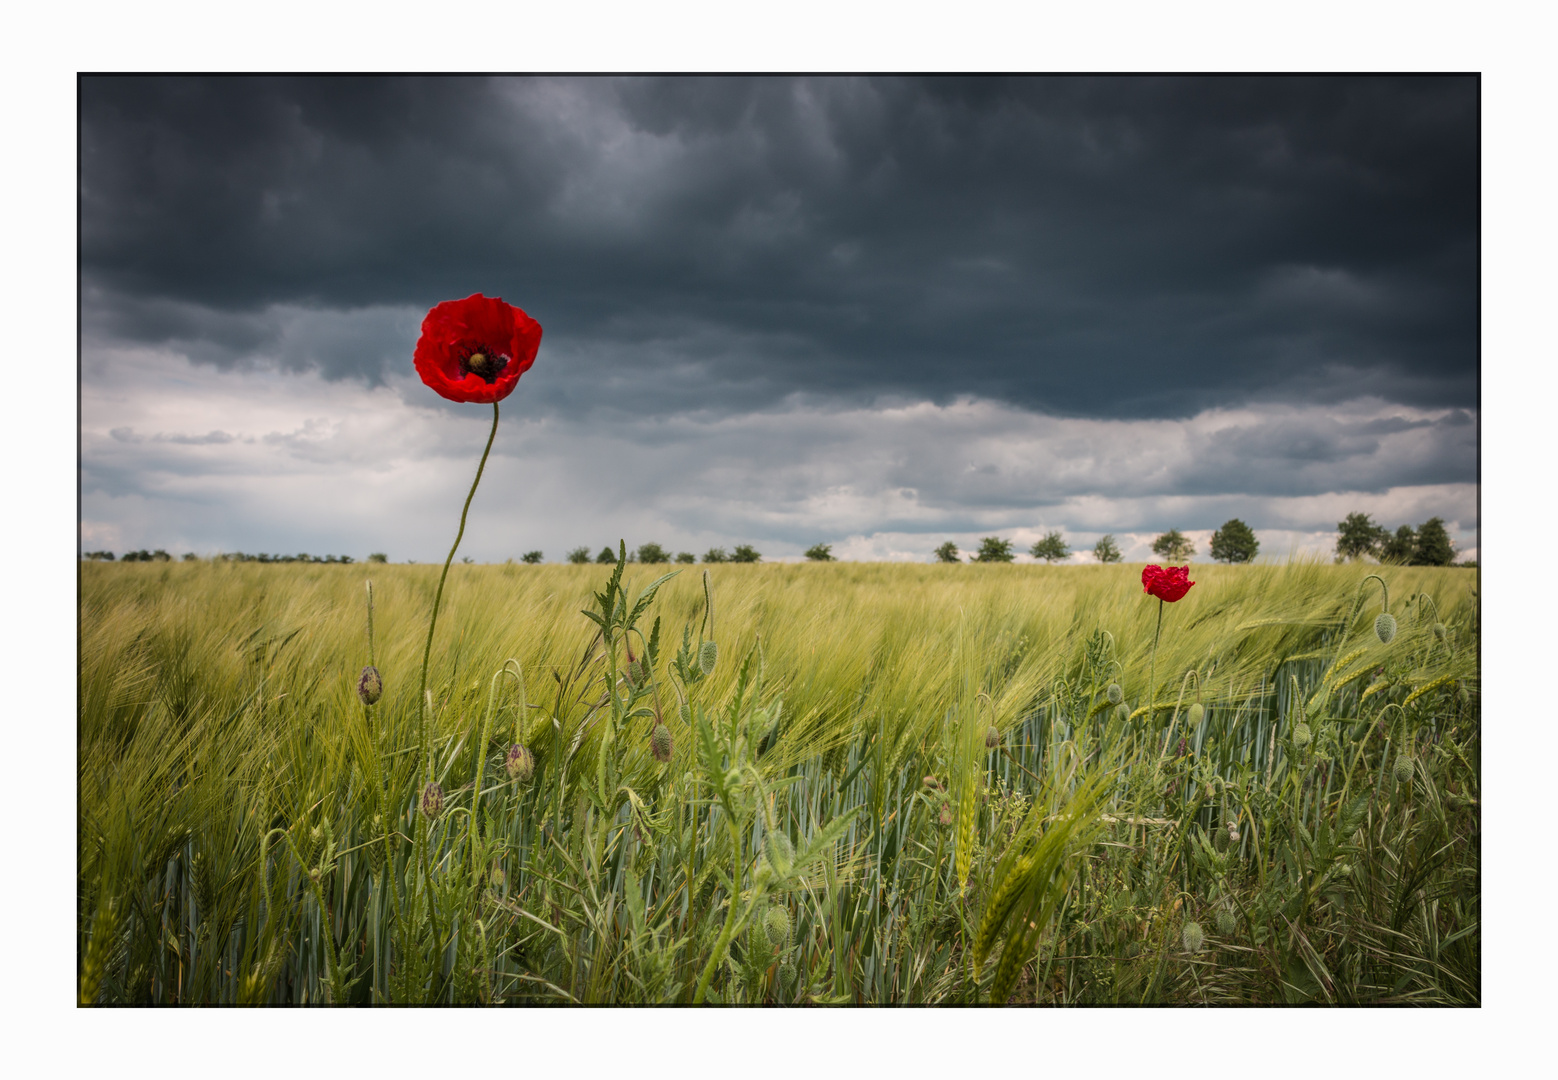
x=1403 y=769
x=776 y=924
x=660 y=743
x=1220 y=839
x=708 y=656
x=521 y=763
x=634 y=673
x=1114 y=693
x=686 y=713
x=786 y=976
x=1440 y=631
x=1195 y=714
x=1191 y=937
x=945 y=817
x=1226 y=923
x=1301 y=735
x=1385 y=627
x=1122 y=713
x=932 y=783
x=369 y=685
x=432 y=800
x=992 y=737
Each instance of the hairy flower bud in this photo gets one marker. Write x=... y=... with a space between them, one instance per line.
x=1440 y=631
x=1403 y=769
x=1114 y=693
x=370 y=685
x=1195 y=714
x=686 y=713
x=1220 y=839
x=432 y=800
x=786 y=976
x=992 y=737
x=1191 y=937
x=708 y=656
x=1301 y=735
x=776 y=924
x=945 y=817
x=1385 y=627
x=660 y=743
x=1226 y=923
x=521 y=763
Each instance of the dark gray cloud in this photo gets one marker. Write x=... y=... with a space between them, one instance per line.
x=1090 y=247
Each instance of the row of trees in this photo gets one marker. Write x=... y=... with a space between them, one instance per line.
x=1357 y=536
x=1233 y=543
x=654 y=553
x=237 y=556
x=1427 y=545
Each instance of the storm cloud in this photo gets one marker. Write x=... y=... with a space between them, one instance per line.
x=809 y=308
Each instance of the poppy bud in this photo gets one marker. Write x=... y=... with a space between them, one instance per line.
x=1385 y=627
x=686 y=711
x=521 y=763
x=369 y=685
x=1122 y=713
x=314 y=875
x=1220 y=839
x=776 y=924
x=1440 y=632
x=708 y=656
x=992 y=737
x=786 y=976
x=932 y=783
x=1192 y=937
x=1195 y=714
x=1403 y=769
x=660 y=743
x=1114 y=693
x=945 y=818
x=1225 y=922
x=432 y=800
x=1301 y=735
x=733 y=779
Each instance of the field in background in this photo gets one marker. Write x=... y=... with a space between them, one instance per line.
x=249 y=830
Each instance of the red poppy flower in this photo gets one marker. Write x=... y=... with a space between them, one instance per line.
x=476 y=349
x=1171 y=584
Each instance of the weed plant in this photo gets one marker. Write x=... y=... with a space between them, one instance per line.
x=828 y=783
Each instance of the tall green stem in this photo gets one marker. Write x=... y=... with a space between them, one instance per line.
x=427 y=650
x=1152 y=676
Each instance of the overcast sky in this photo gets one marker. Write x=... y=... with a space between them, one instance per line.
x=877 y=313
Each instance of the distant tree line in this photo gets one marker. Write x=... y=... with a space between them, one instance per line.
x=236 y=556
x=1233 y=543
x=1427 y=545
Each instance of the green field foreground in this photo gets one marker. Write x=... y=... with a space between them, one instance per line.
x=1281 y=807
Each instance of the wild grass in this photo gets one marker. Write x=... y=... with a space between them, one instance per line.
x=833 y=825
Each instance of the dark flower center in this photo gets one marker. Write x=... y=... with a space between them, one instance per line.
x=485 y=362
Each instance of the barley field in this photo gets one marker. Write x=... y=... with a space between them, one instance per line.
x=818 y=784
